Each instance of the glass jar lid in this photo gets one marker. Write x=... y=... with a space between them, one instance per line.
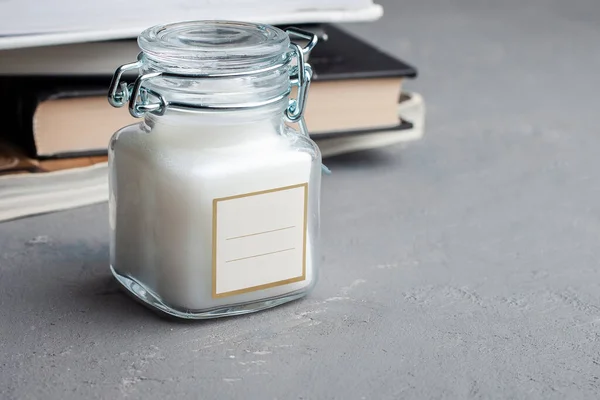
x=214 y=47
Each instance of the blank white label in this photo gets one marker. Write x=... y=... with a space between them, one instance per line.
x=259 y=240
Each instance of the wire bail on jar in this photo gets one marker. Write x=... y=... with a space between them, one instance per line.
x=143 y=100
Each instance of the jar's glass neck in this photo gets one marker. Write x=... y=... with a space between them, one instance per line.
x=230 y=91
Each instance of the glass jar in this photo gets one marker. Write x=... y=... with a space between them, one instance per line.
x=214 y=198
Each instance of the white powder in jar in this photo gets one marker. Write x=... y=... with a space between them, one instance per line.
x=163 y=185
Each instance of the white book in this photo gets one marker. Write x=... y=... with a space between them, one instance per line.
x=30 y=23
x=24 y=195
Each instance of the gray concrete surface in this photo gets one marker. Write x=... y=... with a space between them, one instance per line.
x=465 y=266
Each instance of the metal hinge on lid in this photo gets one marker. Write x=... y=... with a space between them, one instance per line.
x=142 y=100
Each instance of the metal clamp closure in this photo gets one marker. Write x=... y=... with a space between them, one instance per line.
x=143 y=100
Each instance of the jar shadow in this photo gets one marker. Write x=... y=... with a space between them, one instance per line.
x=107 y=299
x=82 y=291
x=96 y=293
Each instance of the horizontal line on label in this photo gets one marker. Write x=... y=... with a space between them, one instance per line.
x=261 y=233
x=261 y=255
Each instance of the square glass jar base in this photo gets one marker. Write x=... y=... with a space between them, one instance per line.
x=149 y=299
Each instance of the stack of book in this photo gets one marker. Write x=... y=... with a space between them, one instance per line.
x=54 y=75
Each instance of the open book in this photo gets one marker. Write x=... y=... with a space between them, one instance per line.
x=30 y=23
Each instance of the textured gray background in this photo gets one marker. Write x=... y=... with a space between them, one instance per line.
x=465 y=266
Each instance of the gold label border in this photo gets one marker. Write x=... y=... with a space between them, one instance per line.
x=214 y=243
